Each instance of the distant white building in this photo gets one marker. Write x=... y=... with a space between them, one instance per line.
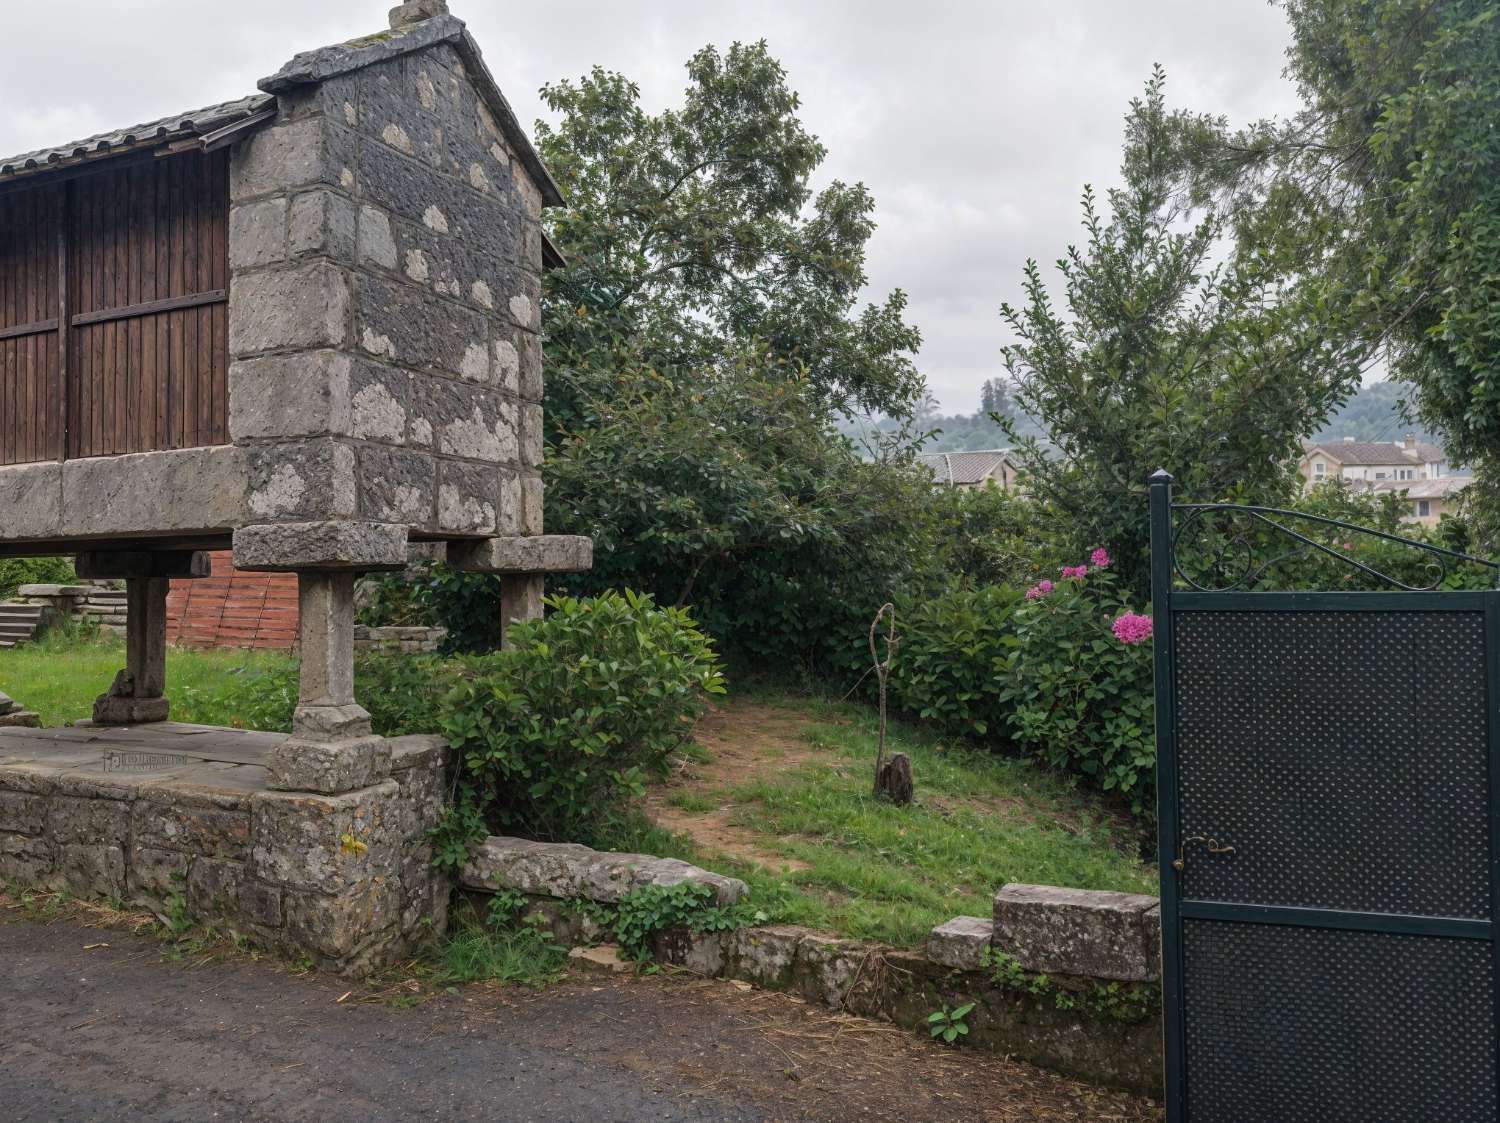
x=1415 y=469
x=1371 y=461
x=986 y=467
x=1427 y=500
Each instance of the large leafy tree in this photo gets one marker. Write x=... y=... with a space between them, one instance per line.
x=692 y=232
x=1387 y=183
x=702 y=337
x=1175 y=351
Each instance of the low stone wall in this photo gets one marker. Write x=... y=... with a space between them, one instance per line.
x=346 y=880
x=1063 y=978
x=99 y=601
x=398 y=640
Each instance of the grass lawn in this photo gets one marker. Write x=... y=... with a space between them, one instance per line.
x=60 y=676
x=783 y=800
x=777 y=793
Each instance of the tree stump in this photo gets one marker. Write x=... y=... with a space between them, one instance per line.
x=894 y=780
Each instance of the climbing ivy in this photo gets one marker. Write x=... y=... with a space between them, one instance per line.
x=1131 y=1003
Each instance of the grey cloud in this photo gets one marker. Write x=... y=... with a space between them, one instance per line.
x=975 y=124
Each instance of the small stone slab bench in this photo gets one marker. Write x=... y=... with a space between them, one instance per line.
x=1080 y=931
x=961 y=942
x=567 y=871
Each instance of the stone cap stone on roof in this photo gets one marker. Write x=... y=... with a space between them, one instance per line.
x=323 y=63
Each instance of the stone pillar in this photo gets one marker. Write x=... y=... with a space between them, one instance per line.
x=138 y=693
x=520 y=599
x=331 y=748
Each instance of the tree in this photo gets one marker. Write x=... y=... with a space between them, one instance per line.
x=692 y=233
x=1166 y=359
x=994 y=399
x=700 y=341
x=1387 y=184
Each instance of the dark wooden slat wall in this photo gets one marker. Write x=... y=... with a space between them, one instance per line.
x=135 y=235
x=30 y=377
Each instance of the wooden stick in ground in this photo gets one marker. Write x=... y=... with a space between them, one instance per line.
x=882 y=672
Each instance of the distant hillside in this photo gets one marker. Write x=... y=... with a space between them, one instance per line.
x=1373 y=414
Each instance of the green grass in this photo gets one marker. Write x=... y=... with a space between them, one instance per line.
x=874 y=871
x=882 y=872
x=62 y=674
x=520 y=956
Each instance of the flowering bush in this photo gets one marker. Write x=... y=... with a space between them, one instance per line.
x=949 y=644
x=1131 y=628
x=1081 y=697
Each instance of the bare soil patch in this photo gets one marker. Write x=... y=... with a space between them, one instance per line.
x=745 y=739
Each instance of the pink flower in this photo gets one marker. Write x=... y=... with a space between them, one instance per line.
x=1074 y=572
x=1099 y=558
x=1131 y=628
x=1040 y=589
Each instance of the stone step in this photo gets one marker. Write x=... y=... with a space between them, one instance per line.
x=16 y=631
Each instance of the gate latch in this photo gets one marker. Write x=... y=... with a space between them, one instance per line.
x=1213 y=844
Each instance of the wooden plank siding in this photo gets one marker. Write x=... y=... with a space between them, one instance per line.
x=31 y=425
x=143 y=361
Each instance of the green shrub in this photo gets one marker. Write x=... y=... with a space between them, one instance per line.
x=15 y=572
x=1083 y=699
x=944 y=670
x=402 y=692
x=556 y=731
x=392 y=600
x=644 y=912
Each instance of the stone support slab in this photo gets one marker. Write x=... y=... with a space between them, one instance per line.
x=351 y=545
x=537 y=553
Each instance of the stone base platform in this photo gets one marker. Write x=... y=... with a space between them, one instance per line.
x=177 y=818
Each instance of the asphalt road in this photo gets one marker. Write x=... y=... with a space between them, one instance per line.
x=114 y=1032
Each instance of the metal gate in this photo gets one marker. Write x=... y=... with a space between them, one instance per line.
x=1327 y=764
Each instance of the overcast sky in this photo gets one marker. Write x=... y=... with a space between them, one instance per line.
x=974 y=122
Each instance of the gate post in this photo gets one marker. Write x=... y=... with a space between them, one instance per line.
x=1166 y=792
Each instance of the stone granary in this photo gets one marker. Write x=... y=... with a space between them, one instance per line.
x=303 y=325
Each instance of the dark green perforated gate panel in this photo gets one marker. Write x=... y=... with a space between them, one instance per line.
x=1344 y=755
x=1309 y=1025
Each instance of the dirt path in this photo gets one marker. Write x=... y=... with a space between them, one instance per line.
x=745 y=739
x=110 y=1031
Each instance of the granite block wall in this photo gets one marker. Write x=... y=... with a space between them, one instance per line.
x=385 y=307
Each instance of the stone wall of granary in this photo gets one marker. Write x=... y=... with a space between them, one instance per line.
x=346 y=880
x=386 y=253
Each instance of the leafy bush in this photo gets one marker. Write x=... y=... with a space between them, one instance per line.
x=15 y=572
x=390 y=600
x=1079 y=678
x=655 y=908
x=402 y=692
x=944 y=670
x=556 y=731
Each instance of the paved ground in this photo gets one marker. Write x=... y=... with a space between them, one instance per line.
x=95 y=1025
